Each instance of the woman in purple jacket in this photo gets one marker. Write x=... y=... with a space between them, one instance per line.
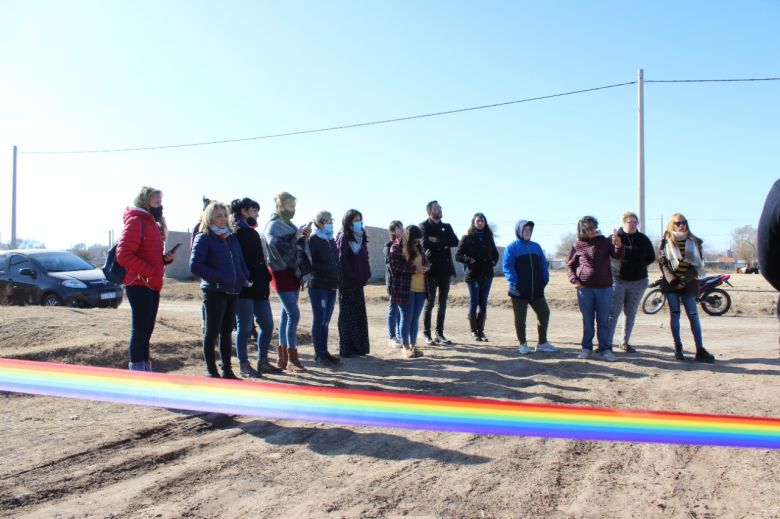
x=354 y=273
x=591 y=274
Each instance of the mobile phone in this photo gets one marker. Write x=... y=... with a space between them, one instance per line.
x=174 y=248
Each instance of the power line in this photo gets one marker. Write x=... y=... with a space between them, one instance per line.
x=394 y=120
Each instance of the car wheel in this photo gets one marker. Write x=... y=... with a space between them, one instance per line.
x=51 y=300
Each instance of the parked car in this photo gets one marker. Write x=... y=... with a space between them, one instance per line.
x=54 y=278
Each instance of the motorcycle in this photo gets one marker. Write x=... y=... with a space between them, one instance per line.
x=714 y=301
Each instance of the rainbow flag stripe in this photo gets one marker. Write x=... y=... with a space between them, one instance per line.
x=379 y=409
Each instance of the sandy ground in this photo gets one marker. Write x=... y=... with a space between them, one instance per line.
x=71 y=458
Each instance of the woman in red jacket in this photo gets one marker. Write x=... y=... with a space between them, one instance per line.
x=140 y=251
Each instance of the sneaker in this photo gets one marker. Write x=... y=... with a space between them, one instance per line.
x=483 y=337
x=609 y=356
x=248 y=371
x=584 y=354
x=428 y=339
x=322 y=360
x=395 y=342
x=331 y=358
x=266 y=367
x=627 y=348
x=475 y=336
x=523 y=348
x=441 y=339
x=227 y=373
x=546 y=347
x=703 y=355
x=410 y=352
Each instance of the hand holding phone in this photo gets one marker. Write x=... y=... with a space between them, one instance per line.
x=171 y=253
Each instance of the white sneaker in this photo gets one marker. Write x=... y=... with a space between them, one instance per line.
x=609 y=356
x=584 y=354
x=395 y=342
x=523 y=348
x=546 y=347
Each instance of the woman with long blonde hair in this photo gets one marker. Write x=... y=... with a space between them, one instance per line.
x=681 y=259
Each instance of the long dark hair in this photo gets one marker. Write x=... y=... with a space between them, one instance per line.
x=346 y=225
x=473 y=230
x=411 y=233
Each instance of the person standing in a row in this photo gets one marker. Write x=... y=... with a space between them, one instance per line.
x=479 y=255
x=354 y=273
x=253 y=301
x=769 y=240
x=217 y=259
x=630 y=278
x=396 y=230
x=289 y=261
x=681 y=259
x=140 y=251
x=591 y=274
x=438 y=240
x=527 y=272
x=323 y=285
x=409 y=285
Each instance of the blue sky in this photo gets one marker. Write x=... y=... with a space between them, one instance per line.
x=84 y=75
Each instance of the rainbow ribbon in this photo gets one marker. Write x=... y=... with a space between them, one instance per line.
x=378 y=409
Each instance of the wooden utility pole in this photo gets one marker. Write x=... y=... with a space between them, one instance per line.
x=13 y=205
x=641 y=150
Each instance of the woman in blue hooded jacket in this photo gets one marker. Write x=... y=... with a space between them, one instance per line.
x=526 y=271
x=217 y=259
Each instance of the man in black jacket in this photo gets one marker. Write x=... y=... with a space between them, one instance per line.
x=438 y=239
x=769 y=240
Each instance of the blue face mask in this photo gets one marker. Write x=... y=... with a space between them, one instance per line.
x=357 y=227
x=328 y=229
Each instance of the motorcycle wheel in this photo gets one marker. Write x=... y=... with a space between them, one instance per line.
x=653 y=302
x=716 y=302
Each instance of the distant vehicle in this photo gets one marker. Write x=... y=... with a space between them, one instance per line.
x=54 y=278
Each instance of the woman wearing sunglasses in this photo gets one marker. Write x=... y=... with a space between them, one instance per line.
x=682 y=263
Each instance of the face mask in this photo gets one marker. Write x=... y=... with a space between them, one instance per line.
x=287 y=214
x=328 y=229
x=156 y=211
x=220 y=231
x=251 y=221
x=357 y=227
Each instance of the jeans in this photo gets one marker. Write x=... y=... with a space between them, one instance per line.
x=220 y=317
x=442 y=284
x=394 y=321
x=478 y=295
x=410 y=317
x=250 y=310
x=539 y=306
x=288 y=321
x=595 y=304
x=323 y=301
x=627 y=296
x=689 y=302
x=144 y=303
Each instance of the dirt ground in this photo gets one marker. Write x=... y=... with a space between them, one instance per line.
x=73 y=458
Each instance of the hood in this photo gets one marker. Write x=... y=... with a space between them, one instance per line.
x=90 y=277
x=132 y=212
x=519 y=228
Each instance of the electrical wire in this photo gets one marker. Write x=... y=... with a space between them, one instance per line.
x=394 y=120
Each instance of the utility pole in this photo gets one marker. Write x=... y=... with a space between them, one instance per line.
x=641 y=149
x=13 y=206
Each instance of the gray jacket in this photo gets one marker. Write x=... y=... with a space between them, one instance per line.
x=284 y=251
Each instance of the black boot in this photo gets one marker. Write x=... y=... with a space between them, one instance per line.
x=227 y=372
x=481 y=326
x=678 y=353
x=473 y=326
x=703 y=355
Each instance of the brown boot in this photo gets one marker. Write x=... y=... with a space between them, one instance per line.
x=281 y=357
x=294 y=365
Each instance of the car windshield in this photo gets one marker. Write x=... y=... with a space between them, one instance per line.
x=61 y=261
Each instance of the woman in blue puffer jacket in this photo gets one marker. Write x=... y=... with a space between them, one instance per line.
x=218 y=261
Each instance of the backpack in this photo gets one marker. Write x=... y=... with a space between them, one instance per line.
x=113 y=271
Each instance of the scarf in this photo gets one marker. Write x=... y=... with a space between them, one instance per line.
x=357 y=244
x=222 y=232
x=322 y=234
x=691 y=254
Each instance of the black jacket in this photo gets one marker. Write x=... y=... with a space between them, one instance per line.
x=388 y=272
x=439 y=253
x=324 y=263
x=256 y=262
x=638 y=254
x=769 y=238
x=479 y=257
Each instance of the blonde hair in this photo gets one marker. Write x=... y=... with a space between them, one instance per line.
x=282 y=198
x=208 y=214
x=670 y=228
x=142 y=200
x=629 y=214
